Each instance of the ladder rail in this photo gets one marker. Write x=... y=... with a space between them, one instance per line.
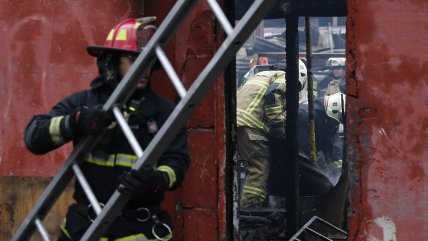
x=183 y=109
x=54 y=189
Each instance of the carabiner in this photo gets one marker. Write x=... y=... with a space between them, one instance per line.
x=160 y=224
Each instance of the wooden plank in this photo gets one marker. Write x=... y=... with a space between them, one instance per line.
x=17 y=197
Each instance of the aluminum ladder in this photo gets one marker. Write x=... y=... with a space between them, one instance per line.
x=189 y=99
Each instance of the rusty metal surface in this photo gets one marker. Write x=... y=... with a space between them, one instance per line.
x=388 y=119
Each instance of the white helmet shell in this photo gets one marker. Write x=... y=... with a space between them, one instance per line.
x=303 y=74
x=336 y=62
x=335 y=105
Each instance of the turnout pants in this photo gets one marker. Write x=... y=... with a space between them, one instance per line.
x=253 y=148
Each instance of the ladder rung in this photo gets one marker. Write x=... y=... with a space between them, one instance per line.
x=43 y=232
x=220 y=16
x=170 y=71
x=128 y=132
x=87 y=189
x=330 y=225
x=318 y=234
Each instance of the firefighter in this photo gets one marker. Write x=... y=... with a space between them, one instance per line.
x=109 y=164
x=260 y=116
x=328 y=117
x=320 y=176
x=335 y=82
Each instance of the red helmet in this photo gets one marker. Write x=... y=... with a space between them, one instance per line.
x=129 y=36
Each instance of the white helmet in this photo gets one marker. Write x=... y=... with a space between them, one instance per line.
x=303 y=74
x=335 y=62
x=335 y=106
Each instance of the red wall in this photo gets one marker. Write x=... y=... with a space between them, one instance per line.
x=387 y=119
x=43 y=60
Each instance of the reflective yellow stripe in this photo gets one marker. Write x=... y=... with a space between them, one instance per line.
x=249 y=119
x=120 y=159
x=338 y=163
x=121 y=36
x=256 y=100
x=255 y=191
x=110 y=35
x=136 y=237
x=64 y=230
x=55 y=131
x=273 y=110
x=125 y=160
x=246 y=122
x=170 y=172
x=242 y=122
x=136 y=25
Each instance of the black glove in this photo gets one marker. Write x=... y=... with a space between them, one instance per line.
x=90 y=120
x=145 y=183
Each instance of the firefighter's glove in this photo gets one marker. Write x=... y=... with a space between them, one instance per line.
x=146 y=183
x=90 y=120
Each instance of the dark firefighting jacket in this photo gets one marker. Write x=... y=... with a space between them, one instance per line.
x=112 y=155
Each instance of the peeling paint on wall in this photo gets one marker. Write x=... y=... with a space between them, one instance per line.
x=388 y=229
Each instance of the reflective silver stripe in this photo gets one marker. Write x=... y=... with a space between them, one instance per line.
x=55 y=131
x=119 y=159
x=170 y=172
x=125 y=160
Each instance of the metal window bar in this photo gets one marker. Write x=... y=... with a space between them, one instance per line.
x=170 y=128
x=43 y=232
x=306 y=228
